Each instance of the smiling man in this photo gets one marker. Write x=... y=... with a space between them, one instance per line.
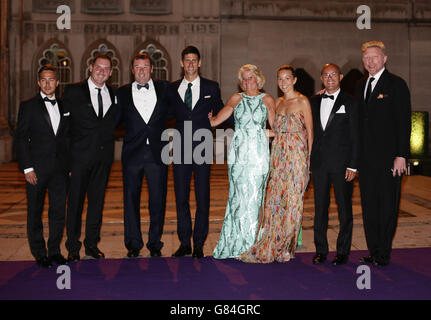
x=143 y=112
x=92 y=109
x=42 y=147
x=192 y=98
x=385 y=125
x=334 y=160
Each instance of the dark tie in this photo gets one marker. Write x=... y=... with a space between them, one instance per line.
x=53 y=102
x=146 y=86
x=327 y=96
x=188 y=96
x=368 y=93
x=100 y=100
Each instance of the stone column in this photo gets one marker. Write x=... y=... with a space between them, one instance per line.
x=5 y=136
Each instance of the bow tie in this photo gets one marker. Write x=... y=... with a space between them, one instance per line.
x=146 y=86
x=327 y=96
x=53 y=102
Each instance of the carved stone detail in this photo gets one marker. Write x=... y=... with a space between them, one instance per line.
x=50 y=6
x=102 y=6
x=151 y=7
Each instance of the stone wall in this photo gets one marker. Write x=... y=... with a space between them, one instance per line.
x=305 y=33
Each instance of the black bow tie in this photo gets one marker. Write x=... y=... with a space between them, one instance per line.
x=327 y=96
x=146 y=86
x=53 y=102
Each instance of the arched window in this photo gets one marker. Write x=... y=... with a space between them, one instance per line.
x=161 y=61
x=58 y=57
x=104 y=48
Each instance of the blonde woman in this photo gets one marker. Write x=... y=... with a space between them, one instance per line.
x=248 y=162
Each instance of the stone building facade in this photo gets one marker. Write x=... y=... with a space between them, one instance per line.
x=229 y=33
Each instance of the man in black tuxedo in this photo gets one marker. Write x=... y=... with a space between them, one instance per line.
x=334 y=160
x=43 y=153
x=385 y=124
x=92 y=108
x=143 y=112
x=191 y=100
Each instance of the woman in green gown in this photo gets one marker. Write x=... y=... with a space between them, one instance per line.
x=248 y=162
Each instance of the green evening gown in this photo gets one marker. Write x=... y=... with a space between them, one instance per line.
x=248 y=169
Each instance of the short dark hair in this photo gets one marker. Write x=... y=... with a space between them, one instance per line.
x=188 y=50
x=330 y=65
x=47 y=67
x=142 y=56
x=287 y=67
x=101 y=56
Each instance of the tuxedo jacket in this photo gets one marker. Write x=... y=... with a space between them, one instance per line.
x=38 y=146
x=336 y=147
x=137 y=130
x=385 y=122
x=209 y=101
x=91 y=139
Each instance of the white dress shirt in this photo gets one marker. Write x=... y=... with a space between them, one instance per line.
x=106 y=98
x=196 y=87
x=54 y=116
x=373 y=84
x=326 y=106
x=144 y=99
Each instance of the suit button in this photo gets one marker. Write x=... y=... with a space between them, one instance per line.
x=101 y=148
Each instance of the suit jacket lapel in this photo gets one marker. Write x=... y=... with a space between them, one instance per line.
x=87 y=96
x=336 y=106
x=45 y=113
x=378 y=88
x=201 y=94
x=60 y=110
x=157 y=106
x=318 y=106
x=112 y=95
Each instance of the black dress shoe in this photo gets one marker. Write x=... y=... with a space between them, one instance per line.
x=94 y=253
x=198 y=253
x=155 y=253
x=58 y=259
x=340 y=259
x=44 y=262
x=182 y=251
x=72 y=257
x=369 y=259
x=319 y=259
x=133 y=253
x=380 y=262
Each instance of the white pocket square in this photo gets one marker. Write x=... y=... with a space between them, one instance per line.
x=342 y=109
x=207 y=97
x=66 y=114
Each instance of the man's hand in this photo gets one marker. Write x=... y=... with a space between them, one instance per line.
x=399 y=166
x=350 y=175
x=31 y=178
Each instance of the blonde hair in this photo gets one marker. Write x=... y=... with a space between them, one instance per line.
x=375 y=44
x=251 y=68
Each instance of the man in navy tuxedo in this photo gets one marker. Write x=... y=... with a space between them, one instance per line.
x=143 y=112
x=192 y=98
x=385 y=126
x=42 y=140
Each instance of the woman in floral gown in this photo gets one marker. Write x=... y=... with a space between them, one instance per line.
x=289 y=175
